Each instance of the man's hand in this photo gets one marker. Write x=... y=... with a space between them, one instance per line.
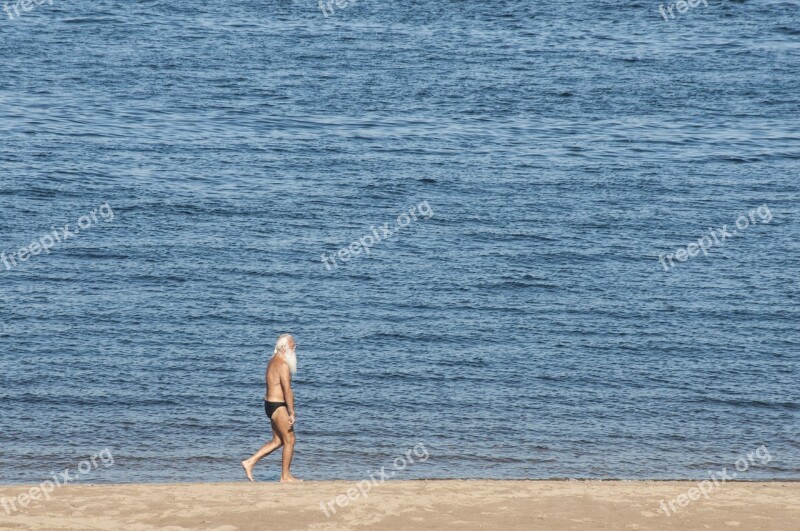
x=291 y=419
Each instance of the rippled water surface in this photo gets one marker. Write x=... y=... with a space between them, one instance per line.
x=525 y=330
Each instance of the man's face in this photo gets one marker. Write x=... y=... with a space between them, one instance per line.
x=292 y=344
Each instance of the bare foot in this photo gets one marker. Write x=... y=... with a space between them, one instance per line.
x=290 y=479
x=248 y=469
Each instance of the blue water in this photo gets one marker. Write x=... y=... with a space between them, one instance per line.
x=526 y=329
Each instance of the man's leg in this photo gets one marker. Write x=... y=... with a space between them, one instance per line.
x=280 y=423
x=265 y=450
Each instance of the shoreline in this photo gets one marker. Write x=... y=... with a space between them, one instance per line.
x=418 y=504
x=414 y=480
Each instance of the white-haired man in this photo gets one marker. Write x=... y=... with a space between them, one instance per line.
x=279 y=406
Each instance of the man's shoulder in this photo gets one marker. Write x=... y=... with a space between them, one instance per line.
x=277 y=364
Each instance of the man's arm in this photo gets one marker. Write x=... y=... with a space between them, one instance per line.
x=286 y=386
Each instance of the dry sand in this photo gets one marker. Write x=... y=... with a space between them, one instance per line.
x=527 y=505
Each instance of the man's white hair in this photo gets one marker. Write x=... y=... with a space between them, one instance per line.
x=282 y=344
x=282 y=347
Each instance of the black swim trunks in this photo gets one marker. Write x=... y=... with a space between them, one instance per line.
x=272 y=407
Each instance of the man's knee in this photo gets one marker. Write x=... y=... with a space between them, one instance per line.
x=289 y=439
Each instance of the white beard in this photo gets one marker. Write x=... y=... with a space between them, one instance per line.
x=291 y=359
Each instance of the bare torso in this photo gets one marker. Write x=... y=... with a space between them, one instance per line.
x=274 y=391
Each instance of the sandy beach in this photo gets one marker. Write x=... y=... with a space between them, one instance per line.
x=448 y=504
